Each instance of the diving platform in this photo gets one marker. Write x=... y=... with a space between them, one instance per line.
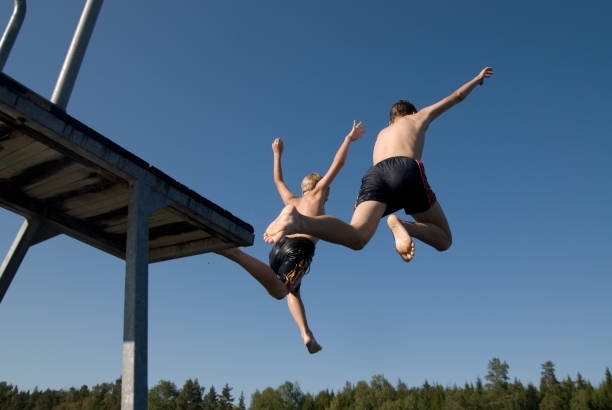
x=56 y=169
x=66 y=178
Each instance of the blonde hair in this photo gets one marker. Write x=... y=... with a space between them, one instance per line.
x=310 y=181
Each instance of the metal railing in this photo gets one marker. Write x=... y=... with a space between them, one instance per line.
x=76 y=52
x=12 y=29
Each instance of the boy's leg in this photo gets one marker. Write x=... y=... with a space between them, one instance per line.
x=296 y=307
x=431 y=227
x=259 y=270
x=328 y=228
x=365 y=222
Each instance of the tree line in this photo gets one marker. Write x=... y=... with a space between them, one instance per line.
x=497 y=392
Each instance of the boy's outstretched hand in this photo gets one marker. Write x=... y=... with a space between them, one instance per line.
x=277 y=146
x=485 y=73
x=357 y=131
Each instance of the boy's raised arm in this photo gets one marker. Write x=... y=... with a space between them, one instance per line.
x=356 y=132
x=435 y=110
x=286 y=195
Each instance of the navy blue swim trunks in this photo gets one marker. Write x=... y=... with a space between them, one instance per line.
x=399 y=182
x=290 y=259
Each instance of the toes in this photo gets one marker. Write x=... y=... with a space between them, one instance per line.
x=407 y=253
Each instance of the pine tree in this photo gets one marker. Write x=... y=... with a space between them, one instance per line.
x=532 y=398
x=568 y=390
x=548 y=376
x=479 y=388
x=580 y=383
x=323 y=400
x=307 y=402
x=105 y=396
x=550 y=389
x=382 y=390
x=226 y=400
x=267 y=399
x=211 y=400
x=163 y=396
x=47 y=400
x=7 y=392
x=344 y=399
x=581 y=400
x=291 y=395
x=190 y=396
x=498 y=374
x=241 y=404
x=603 y=395
x=364 y=396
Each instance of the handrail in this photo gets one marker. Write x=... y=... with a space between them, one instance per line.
x=76 y=52
x=11 y=31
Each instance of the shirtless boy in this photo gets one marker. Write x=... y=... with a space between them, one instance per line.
x=397 y=180
x=290 y=258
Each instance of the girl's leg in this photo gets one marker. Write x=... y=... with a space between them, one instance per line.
x=296 y=307
x=259 y=270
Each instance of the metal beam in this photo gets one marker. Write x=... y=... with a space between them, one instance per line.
x=134 y=391
x=188 y=249
x=32 y=231
x=89 y=233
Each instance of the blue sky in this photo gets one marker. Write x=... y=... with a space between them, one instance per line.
x=201 y=89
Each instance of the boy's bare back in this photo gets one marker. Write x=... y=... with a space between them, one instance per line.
x=404 y=137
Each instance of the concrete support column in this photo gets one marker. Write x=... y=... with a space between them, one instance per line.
x=134 y=386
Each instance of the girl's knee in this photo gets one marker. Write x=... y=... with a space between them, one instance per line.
x=278 y=294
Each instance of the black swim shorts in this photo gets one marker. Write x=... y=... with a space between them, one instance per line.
x=290 y=259
x=399 y=182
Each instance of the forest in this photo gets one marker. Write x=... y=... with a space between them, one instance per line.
x=496 y=392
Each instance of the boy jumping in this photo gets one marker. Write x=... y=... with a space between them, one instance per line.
x=397 y=180
x=290 y=258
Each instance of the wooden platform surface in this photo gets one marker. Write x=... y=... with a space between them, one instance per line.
x=56 y=168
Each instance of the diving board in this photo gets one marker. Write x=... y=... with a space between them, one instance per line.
x=54 y=167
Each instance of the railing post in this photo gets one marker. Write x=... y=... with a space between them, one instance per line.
x=12 y=29
x=76 y=52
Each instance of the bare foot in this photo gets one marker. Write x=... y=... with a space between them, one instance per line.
x=311 y=344
x=403 y=242
x=285 y=223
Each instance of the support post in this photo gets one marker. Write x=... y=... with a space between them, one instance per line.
x=32 y=231
x=134 y=390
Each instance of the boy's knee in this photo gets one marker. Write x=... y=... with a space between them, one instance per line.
x=359 y=242
x=445 y=244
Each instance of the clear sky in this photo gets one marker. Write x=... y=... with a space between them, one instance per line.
x=200 y=89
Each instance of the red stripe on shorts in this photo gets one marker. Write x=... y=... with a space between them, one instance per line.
x=430 y=194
